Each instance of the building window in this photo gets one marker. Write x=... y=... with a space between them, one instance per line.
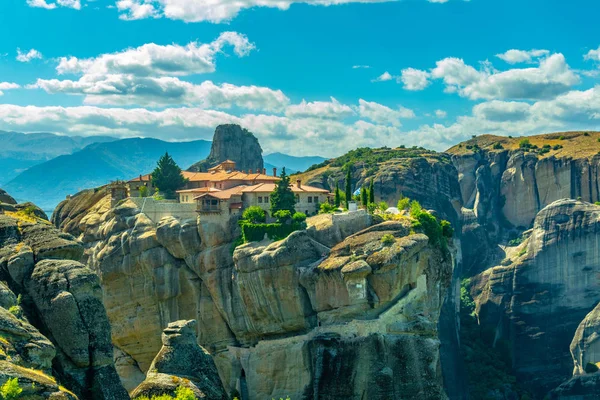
x=267 y=199
x=260 y=199
x=310 y=199
x=316 y=199
x=297 y=198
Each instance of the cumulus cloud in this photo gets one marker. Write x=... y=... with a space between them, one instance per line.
x=381 y=114
x=552 y=77
x=153 y=59
x=414 y=79
x=320 y=109
x=121 y=89
x=593 y=55
x=521 y=56
x=441 y=113
x=386 y=76
x=28 y=56
x=8 y=86
x=75 y=4
x=213 y=11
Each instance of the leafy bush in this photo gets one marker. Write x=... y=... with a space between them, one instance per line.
x=326 y=208
x=557 y=147
x=254 y=214
x=590 y=368
x=237 y=242
x=403 y=203
x=382 y=206
x=283 y=216
x=447 y=230
x=524 y=144
x=371 y=207
x=388 y=239
x=498 y=146
x=181 y=393
x=586 y=134
x=11 y=390
x=143 y=191
x=299 y=217
x=561 y=137
x=277 y=231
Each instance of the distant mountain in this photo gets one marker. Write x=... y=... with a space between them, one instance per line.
x=48 y=183
x=19 y=151
x=291 y=163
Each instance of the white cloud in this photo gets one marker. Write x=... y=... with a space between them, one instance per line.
x=28 y=56
x=194 y=58
x=386 y=76
x=210 y=10
x=8 y=86
x=361 y=66
x=381 y=114
x=500 y=111
x=441 y=114
x=121 y=89
x=521 y=56
x=414 y=79
x=552 y=77
x=593 y=55
x=320 y=109
x=75 y=4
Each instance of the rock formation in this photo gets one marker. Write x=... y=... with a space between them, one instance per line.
x=182 y=363
x=57 y=324
x=322 y=314
x=232 y=142
x=6 y=198
x=538 y=300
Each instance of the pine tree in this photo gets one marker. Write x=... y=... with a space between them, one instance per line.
x=282 y=197
x=338 y=195
x=167 y=176
x=372 y=192
x=364 y=197
x=348 y=186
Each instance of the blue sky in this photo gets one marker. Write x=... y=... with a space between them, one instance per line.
x=297 y=75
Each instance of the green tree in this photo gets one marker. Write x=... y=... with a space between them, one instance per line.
x=364 y=197
x=143 y=191
x=167 y=176
x=372 y=192
x=348 y=185
x=338 y=195
x=254 y=214
x=11 y=389
x=282 y=197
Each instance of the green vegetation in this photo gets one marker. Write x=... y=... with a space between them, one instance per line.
x=437 y=231
x=275 y=231
x=11 y=390
x=254 y=215
x=299 y=217
x=283 y=216
x=388 y=239
x=326 y=208
x=348 y=191
x=372 y=192
x=16 y=311
x=143 y=191
x=489 y=375
x=338 y=195
x=590 y=368
x=522 y=252
x=561 y=137
x=498 y=146
x=403 y=203
x=181 y=393
x=524 y=144
x=364 y=197
x=557 y=147
x=167 y=176
x=282 y=197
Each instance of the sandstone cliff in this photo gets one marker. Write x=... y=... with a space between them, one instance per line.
x=325 y=313
x=232 y=142
x=547 y=286
x=53 y=325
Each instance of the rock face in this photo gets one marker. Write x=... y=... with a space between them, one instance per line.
x=182 y=362
x=58 y=324
x=322 y=314
x=232 y=142
x=537 y=302
x=585 y=349
x=6 y=198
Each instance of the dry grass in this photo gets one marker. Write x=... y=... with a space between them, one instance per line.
x=582 y=144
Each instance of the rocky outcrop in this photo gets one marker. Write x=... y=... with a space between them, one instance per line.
x=537 y=301
x=182 y=363
x=57 y=324
x=232 y=142
x=280 y=318
x=6 y=198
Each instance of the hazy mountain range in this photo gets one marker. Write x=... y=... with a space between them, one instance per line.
x=45 y=168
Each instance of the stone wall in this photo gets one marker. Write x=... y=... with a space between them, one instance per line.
x=157 y=209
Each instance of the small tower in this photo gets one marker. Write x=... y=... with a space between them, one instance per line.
x=118 y=192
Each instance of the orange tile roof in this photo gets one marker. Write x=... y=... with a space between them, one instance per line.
x=200 y=190
x=219 y=176
x=269 y=187
x=224 y=194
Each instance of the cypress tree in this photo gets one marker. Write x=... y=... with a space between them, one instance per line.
x=282 y=197
x=364 y=197
x=167 y=176
x=348 y=186
x=371 y=192
x=338 y=196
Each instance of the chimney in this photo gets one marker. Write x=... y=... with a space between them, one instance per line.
x=250 y=171
x=264 y=171
x=141 y=178
x=274 y=171
x=299 y=184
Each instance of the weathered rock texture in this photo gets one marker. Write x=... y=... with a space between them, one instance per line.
x=232 y=142
x=538 y=301
x=58 y=325
x=182 y=362
x=310 y=316
x=585 y=349
x=6 y=198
